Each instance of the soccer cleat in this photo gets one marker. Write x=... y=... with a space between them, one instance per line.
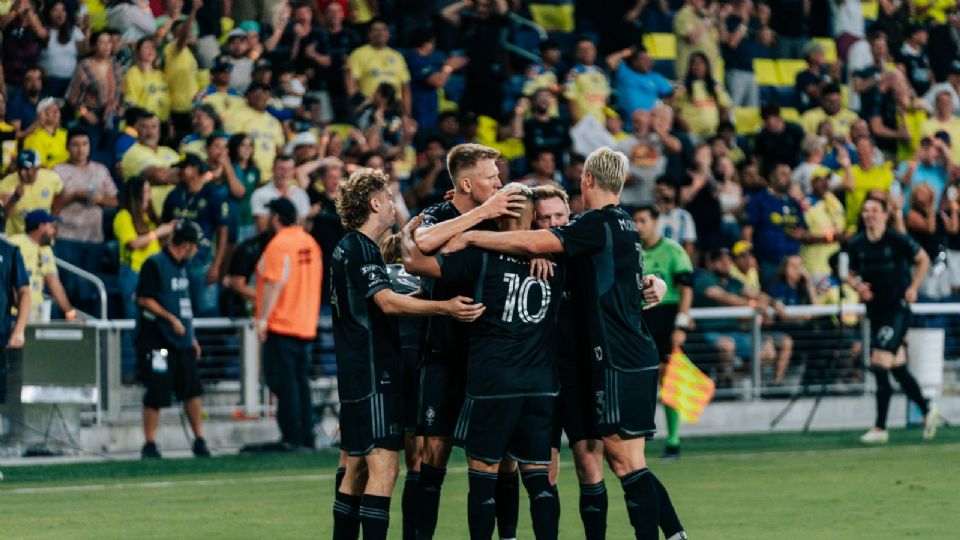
x=679 y=536
x=930 y=422
x=149 y=451
x=200 y=448
x=875 y=436
x=671 y=453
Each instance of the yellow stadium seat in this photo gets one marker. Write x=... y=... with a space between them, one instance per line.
x=555 y=16
x=870 y=10
x=747 y=120
x=765 y=71
x=829 y=48
x=343 y=130
x=661 y=46
x=790 y=114
x=787 y=71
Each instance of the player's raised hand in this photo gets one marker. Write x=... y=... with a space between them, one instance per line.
x=653 y=290
x=463 y=309
x=541 y=268
x=506 y=202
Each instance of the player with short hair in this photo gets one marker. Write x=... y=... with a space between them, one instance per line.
x=477 y=199
x=511 y=383
x=603 y=243
x=367 y=341
x=880 y=260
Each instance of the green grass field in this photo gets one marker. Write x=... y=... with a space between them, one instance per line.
x=818 y=485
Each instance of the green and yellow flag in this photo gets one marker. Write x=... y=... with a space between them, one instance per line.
x=686 y=388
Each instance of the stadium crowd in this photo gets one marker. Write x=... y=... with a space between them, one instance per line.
x=757 y=129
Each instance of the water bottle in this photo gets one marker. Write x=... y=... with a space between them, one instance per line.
x=90 y=192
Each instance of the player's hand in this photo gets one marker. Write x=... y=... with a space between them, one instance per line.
x=506 y=202
x=678 y=338
x=457 y=243
x=196 y=349
x=448 y=196
x=177 y=327
x=16 y=341
x=463 y=309
x=864 y=291
x=408 y=246
x=910 y=295
x=541 y=268
x=653 y=290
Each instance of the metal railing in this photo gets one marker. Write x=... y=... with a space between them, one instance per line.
x=96 y=281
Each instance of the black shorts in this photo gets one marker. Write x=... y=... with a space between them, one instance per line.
x=888 y=328
x=410 y=360
x=165 y=373
x=442 y=390
x=371 y=423
x=574 y=413
x=625 y=402
x=517 y=427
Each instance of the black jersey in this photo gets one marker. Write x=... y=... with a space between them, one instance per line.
x=606 y=249
x=884 y=264
x=512 y=346
x=409 y=327
x=570 y=345
x=446 y=337
x=366 y=340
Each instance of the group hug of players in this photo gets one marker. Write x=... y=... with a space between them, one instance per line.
x=507 y=321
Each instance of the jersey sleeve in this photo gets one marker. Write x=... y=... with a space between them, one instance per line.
x=274 y=265
x=19 y=278
x=906 y=246
x=365 y=269
x=48 y=266
x=583 y=235
x=682 y=267
x=462 y=266
x=148 y=284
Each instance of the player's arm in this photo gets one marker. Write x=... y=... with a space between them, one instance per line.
x=460 y=308
x=503 y=203
x=524 y=243
x=414 y=261
x=921 y=264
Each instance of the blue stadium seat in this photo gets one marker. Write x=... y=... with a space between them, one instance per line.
x=525 y=38
x=454 y=87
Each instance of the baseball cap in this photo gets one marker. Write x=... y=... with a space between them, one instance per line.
x=28 y=159
x=720 y=252
x=221 y=64
x=193 y=160
x=250 y=27
x=36 y=218
x=236 y=32
x=943 y=136
x=741 y=247
x=187 y=231
x=819 y=172
x=48 y=102
x=284 y=209
x=304 y=138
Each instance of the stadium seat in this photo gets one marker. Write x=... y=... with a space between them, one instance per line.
x=747 y=120
x=454 y=87
x=667 y=68
x=870 y=10
x=790 y=114
x=765 y=72
x=829 y=48
x=788 y=70
x=661 y=46
x=553 y=15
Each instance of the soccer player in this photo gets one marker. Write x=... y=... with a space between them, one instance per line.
x=880 y=260
x=476 y=200
x=669 y=320
x=367 y=343
x=603 y=243
x=511 y=383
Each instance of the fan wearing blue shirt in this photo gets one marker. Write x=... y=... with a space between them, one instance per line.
x=636 y=84
x=429 y=71
x=774 y=224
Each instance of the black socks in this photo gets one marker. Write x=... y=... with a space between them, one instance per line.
x=884 y=391
x=346 y=517
x=544 y=504
x=507 y=495
x=669 y=520
x=374 y=517
x=431 y=480
x=910 y=387
x=482 y=504
x=640 y=494
x=593 y=510
x=411 y=489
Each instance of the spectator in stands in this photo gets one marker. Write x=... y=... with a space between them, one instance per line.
x=376 y=63
x=928 y=166
x=205 y=122
x=586 y=88
x=545 y=131
x=34 y=244
x=240 y=149
x=481 y=27
x=826 y=222
x=912 y=59
x=885 y=109
x=860 y=179
x=88 y=189
x=23 y=36
x=167 y=348
x=22 y=103
x=697 y=27
x=134 y=21
x=730 y=194
x=745 y=265
x=327 y=229
x=778 y=141
x=8 y=139
x=774 y=224
x=810 y=81
x=700 y=198
x=283 y=184
x=675 y=223
x=291 y=34
x=149 y=159
x=381 y=118
x=431 y=181
x=336 y=42
x=867 y=76
x=199 y=201
x=430 y=70
x=238 y=56
x=544 y=75
x=49 y=140
x=944 y=42
x=95 y=91
x=951 y=86
x=928 y=225
x=224 y=179
x=893 y=17
x=180 y=68
x=543 y=170
x=265 y=130
x=221 y=94
x=636 y=84
x=647 y=148
x=144 y=85
x=739 y=51
x=29 y=188
x=64 y=43
x=812 y=152
x=790 y=20
x=701 y=99
x=831 y=108
x=943 y=121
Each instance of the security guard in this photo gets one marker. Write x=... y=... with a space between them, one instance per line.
x=167 y=349
x=14 y=289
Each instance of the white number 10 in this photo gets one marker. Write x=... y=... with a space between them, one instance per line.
x=518 y=292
